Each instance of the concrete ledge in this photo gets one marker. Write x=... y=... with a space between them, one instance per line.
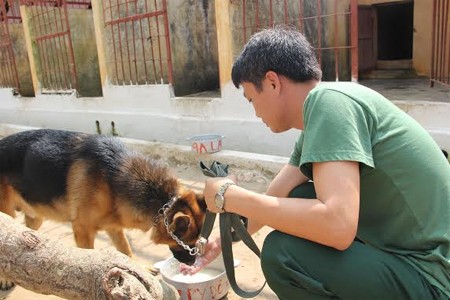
x=267 y=165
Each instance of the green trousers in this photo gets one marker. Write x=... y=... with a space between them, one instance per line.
x=300 y=269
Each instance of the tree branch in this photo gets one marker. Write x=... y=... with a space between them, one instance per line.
x=47 y=267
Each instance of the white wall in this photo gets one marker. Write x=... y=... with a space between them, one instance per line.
x=150 y=113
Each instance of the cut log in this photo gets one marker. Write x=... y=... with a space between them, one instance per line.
x=46 y=266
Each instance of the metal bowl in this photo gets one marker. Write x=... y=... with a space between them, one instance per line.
x=209 y=283
x=206 y=143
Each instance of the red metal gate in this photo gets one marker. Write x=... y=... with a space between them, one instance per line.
x=310 y=17
x=440 y=56
x=8 y=76
x=139 y=38
x=50 y=32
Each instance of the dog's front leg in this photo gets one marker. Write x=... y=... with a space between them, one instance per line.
x=84 y=235
x=33 y=223
x=120 y=241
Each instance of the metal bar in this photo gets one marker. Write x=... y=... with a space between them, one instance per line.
x=444 y=38
x=40 y=31
x=142 y=45
x=135 y=17
x=243 y=19
x=433 y=44
x=336 y=52
x=120 y=44
x=300 y=15
x=113 y=40
x=257 y=15
x=51 y=36
x=54 y=59
x=159 y=45
x=127 y=43
x=73 y=69
x=270 y=13
x=448 y=52
x=134 y=48
x=61 y=60
x=151 y=43
x=168 y=49
x=49 y=46
x=354 y=38
x=12 y=61
x=337 y=47
x=319 y=30
x=439 y=41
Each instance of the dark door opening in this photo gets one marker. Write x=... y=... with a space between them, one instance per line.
x=395 y=23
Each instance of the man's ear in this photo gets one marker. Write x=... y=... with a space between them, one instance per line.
x=273 y=80
x=180 y=224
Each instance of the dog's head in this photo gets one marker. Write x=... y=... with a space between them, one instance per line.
x=185 y=219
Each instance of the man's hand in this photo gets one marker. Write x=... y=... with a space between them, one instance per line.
x=212 y=251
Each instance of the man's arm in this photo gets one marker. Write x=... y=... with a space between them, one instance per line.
x=331 y=219
x=287 y=179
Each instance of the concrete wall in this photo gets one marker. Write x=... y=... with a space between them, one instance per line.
x=85 y=52
x=309 y=28
x=150 y=113
x=21 y=58
x=193 y=38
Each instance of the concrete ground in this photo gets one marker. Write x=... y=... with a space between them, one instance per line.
x=409 y=89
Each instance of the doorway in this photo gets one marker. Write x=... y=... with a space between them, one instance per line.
x=395 y=23
x=386 y=39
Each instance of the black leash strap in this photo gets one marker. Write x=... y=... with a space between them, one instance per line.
x=232 y=228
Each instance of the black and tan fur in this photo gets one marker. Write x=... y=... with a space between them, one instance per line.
x=95 y=183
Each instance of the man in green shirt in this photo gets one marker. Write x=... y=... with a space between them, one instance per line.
x=362 y=210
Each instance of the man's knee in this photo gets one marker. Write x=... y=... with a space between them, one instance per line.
x=305 y=190
x=271 y=253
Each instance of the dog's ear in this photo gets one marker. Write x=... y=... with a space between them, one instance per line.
x=201 y=201
x=180 y=224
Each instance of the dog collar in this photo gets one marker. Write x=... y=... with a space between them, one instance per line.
x=163 y=211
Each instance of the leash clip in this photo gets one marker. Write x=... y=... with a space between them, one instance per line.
x=200 y=245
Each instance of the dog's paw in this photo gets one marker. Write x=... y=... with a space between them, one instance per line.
x=6 y=285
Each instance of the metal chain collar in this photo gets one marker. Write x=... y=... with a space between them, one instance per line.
x=198 y=249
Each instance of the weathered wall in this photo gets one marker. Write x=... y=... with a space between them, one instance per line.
x=85 y=52
x=21 y=58
x=423 y=13
x=309 y=28
x=193 y=40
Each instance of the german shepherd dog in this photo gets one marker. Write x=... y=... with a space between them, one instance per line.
x=96 y=183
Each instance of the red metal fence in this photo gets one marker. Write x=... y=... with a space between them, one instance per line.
x=330 y=26
x=8 y=75
x=50 y=32
x=138 y=36
x=440 y=56
x=12 y=11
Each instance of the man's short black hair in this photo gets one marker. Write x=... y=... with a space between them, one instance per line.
x=282 y=50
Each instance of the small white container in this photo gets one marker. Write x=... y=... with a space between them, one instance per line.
x=206 y=143
x=209 y=283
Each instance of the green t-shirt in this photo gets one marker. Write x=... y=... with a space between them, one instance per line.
x=405 y=178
